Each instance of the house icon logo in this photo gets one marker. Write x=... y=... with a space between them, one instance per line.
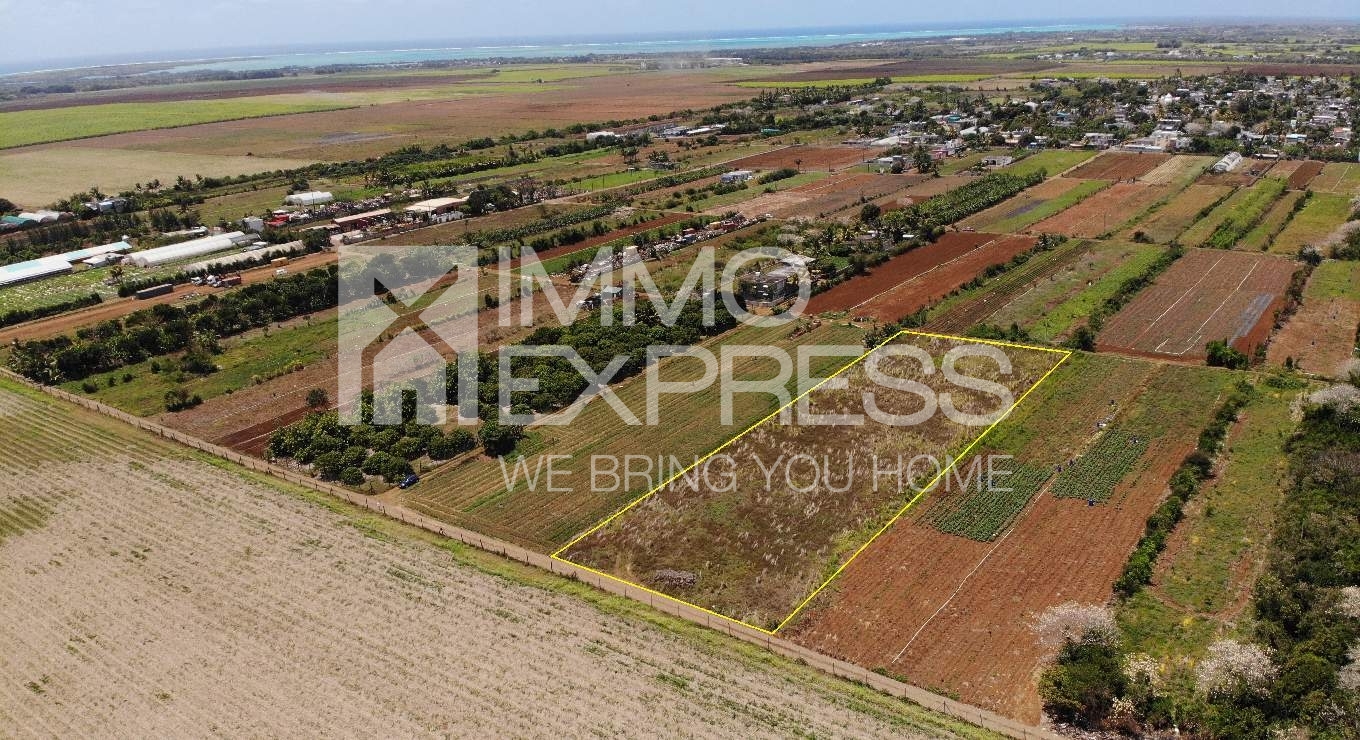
x=407 y=319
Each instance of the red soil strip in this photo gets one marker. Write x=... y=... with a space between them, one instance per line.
x=897 y=270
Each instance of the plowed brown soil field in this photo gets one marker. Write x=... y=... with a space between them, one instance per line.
x=923 y=290
x=1119 y=165
x=897 y=270
x=956 y=613
x=1206 y=295
x=806 y=158
x=1101 y=213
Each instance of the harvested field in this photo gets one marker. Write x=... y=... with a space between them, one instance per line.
x=1101 y=213
x=147 y=589
x=244 y=419
x=1341 y=178
x=1206 y=295
x=1168 y=221
x=753 y=550
x=958 y=613
x=801 y=157
x=936 y=284
x=1177 y=169
x=1320 y=223
x=973 y=308
x=1119 y=166
x=1033 y=205
x=897 y=270
x=1320 y=336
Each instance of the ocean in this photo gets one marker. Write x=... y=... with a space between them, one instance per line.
x=252 y=60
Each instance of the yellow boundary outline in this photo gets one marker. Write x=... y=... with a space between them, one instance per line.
x=923 y=491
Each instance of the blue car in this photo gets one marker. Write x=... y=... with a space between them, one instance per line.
x=409 y=481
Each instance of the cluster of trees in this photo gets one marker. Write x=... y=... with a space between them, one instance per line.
x=1297 y=670
x=931 y=216
x=65 y=236
x=1221 y=354
x=350 y=453
x=560 y=383
x=783 y=173
x=165 y=328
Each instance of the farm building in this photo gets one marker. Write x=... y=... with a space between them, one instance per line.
x=437 y=209
x=82 y=255
x=775 y=285
x=1230 y=162
x=997 y=160
x=185 y=250
x=311 y=198
x=23 y=272
x=737 y=176
x=42 y=217
x=364 y=220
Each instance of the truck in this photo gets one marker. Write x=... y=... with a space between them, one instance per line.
x=277 y=261
x=228 y=281
x=155 y=290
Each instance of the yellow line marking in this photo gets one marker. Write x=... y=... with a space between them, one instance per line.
x=924 y=490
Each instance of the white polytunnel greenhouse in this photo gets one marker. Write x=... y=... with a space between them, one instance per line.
x=186 y=250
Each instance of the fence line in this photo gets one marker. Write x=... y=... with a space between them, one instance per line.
x=825 y=663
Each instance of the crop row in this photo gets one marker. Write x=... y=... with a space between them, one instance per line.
x=989 y=504
x=1094 y=475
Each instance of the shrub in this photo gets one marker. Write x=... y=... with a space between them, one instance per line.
x=352 y=476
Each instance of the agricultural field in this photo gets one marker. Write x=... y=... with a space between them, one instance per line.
x=1180 y=170
x=1201 y=587
x=477 y=493
x=1264 y=233
x=39 y=176
x=1033 y=205
x=753 y=551
x=1206 y=295
x=78 y=122
x=1224 y=226
x=805 y=157
x=955 y=608
x=898 y=270
x=157 y=590
x=1050 y=294
x=940 y=281
x=815 y=195
x=1338 y=178
x=1054 y=162
x=1164 y=223
x=1298 y=172
x=1103 y=212
x=1320 y=337
x=1317 y=224
x=1119 y=166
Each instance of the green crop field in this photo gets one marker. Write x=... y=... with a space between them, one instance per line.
x=1320 y=216
x=1095 y=474
x=1054 y=307
x=259 y=355
x=20 y=128
x=985 y=510
x=1234 y=217
x=1053 y=161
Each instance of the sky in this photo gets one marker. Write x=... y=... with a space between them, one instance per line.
x=42 y=30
